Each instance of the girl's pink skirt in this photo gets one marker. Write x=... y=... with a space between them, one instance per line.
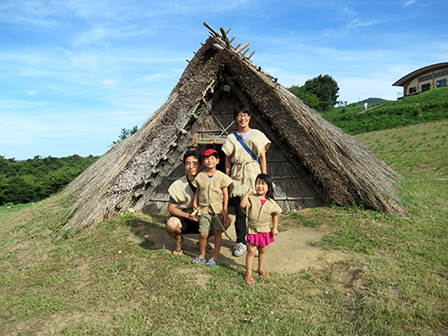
x=261 y=239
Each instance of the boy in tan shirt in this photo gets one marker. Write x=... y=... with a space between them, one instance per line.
x=211 y=199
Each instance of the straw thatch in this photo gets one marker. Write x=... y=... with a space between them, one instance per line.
x=312 y=162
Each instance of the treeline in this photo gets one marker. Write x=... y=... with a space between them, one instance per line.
x=428 y=106
x=319 y=93
x=35 y=179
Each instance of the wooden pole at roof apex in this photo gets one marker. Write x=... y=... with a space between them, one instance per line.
x=243 y=47
x=224 y=35
x=214 y=32
x=226 y=39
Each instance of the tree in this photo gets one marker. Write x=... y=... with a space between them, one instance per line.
x=308 y=98
x=37 y=178
x=125 y=133
x=323 y=88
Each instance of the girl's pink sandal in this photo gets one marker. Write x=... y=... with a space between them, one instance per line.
x=264 y=274
x=250 y=280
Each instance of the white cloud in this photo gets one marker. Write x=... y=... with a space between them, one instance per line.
x=348 y=10
x=356 y=23
x=409 y=3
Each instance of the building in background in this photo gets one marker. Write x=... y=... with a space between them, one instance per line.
x=424 y=79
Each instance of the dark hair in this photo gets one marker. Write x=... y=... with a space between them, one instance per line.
x=268 y=180
x=240 y=108
x=192 y=153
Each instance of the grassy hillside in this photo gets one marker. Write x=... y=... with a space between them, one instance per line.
x=110 y=279
x=417 y=151
x=425 y=107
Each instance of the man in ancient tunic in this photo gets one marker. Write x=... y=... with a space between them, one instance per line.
x=243 y=167
x=180 y=204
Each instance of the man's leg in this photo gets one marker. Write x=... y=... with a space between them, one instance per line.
x=240 y=228
x=174 y=228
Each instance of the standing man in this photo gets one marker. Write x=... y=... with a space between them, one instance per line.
x=180 y=204
x=246 y=158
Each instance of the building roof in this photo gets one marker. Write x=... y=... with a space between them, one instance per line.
x=421 y=71
x=132 y=170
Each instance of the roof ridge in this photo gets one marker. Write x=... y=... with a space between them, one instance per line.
x=225 y=43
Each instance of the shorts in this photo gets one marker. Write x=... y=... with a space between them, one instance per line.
x=208 y=222
x=188 y=226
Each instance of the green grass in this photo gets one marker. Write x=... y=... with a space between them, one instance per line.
x=106 y=280
x=417 y=151
x=425 y=107
x=7 y=210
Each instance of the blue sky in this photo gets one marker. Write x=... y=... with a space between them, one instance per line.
x=75 y=72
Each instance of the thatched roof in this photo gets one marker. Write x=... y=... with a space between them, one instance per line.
x=131 y=170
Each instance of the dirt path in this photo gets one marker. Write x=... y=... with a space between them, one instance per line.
x=291 y=251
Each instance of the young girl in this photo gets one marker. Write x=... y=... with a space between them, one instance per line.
x=260 y=208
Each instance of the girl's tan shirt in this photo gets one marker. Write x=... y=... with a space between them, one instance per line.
x=259 y=216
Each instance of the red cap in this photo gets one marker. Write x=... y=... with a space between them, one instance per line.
x=210 y=151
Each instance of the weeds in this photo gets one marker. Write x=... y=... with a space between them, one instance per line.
x=110 y=279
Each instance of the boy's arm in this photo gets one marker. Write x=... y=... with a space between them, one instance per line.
x=228 y=165
x=196 y=199
x=225 y=203
x=274 y=224
x=263 y=163
x=243 y=202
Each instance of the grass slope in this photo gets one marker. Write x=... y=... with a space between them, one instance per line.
x=107 y=280
x=425 y=107
x=417 y=151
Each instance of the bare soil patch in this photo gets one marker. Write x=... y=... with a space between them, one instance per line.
x=292 y=251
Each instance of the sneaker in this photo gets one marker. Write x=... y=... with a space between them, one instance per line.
x=239 y=249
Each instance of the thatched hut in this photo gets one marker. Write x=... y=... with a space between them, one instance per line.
x=312 y=162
